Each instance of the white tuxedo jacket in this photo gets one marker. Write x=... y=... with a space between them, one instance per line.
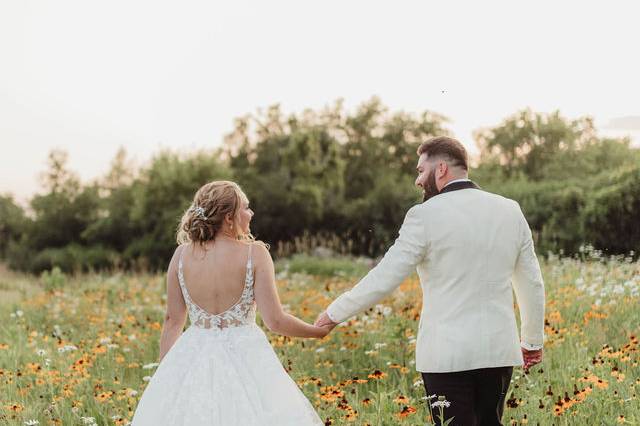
x=470 y=248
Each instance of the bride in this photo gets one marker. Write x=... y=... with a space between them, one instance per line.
x=222 y=369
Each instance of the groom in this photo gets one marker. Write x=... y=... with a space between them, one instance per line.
x=470 y=249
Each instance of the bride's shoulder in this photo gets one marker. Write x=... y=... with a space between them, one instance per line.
x=181 y=248
x=177 y=253
x=260 y=251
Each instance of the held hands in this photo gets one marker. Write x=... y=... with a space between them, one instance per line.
x=531 y=358
x=322 y=331
x=324 y=322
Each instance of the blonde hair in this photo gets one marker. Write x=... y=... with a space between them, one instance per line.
x=204 y=219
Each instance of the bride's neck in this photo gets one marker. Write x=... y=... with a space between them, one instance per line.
x=226 y=236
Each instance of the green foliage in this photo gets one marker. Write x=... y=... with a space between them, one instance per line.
x=161 y=195
x=125 y=220
x=612 y=215
x=553 y=210
x=328 y=173
x=293 y=173
x=324 y=266
x=550 y=147
x=113 y=226
x=12 y=222
x=565 y=179
x=74 y=258
x=53 y=280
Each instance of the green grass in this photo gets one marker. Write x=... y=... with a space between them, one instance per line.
x=113 y=322
x=324 y=266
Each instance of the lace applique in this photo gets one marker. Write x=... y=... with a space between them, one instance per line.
x=242 y=313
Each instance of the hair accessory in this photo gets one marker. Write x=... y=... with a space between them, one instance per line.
x=199 y=212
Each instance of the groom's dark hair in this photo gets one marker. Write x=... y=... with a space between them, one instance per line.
x=445 y=147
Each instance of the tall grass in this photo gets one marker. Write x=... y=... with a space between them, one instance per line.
x=74 y=347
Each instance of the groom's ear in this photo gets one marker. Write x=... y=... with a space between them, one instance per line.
x=442 y=168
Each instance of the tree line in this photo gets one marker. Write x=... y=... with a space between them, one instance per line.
x=329 y=175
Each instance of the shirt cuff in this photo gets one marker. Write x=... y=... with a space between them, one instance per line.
x=331 y=317
x=529 y=347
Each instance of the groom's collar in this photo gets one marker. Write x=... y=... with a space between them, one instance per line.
x=457 y=180
x=457 y=184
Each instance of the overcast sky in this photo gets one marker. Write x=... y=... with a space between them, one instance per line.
x=89 y=76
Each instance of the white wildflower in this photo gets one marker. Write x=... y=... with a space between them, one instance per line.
x=146 y=378
x=444 y=403
x=418 y=383
x=319 y=350
x=105 y=340
x=67 y=348
x=32 y=422
x=150 y=366
x=19 y=313
x=41 y=352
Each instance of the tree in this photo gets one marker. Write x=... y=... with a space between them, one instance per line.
x=12 y=222
x=612 y=214
x=161 y=194
x=527 y=142
x=113 y=227
x=330 y=171
x=62 y=214
x=290 y=169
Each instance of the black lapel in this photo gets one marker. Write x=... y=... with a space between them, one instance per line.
x=459 y=185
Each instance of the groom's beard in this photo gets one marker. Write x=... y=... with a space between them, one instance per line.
x=430 y=188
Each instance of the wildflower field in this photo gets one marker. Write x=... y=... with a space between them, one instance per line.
x=80 y=349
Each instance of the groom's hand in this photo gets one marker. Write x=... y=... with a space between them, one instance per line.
x=324 y=320
x=531 y=358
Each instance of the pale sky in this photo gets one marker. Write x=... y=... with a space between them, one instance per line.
x=89 y=76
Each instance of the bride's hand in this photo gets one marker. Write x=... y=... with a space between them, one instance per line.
x=322 y=331
x=324 y=320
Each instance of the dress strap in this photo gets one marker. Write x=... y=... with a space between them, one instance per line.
x=250 y=260
x=180 y=259
x=183 y=287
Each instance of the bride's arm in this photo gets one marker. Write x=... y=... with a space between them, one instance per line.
x=268 y=301
x=176 y=313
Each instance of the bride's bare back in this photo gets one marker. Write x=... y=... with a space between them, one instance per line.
x=215 y=277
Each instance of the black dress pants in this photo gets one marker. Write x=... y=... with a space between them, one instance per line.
x=477 y=397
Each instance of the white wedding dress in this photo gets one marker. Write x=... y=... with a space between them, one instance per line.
x=223 y=371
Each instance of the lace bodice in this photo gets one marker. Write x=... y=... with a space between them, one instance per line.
x=243 y=312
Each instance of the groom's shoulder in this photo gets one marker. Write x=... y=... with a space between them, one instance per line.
x=498 y=197
x=501 y=201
